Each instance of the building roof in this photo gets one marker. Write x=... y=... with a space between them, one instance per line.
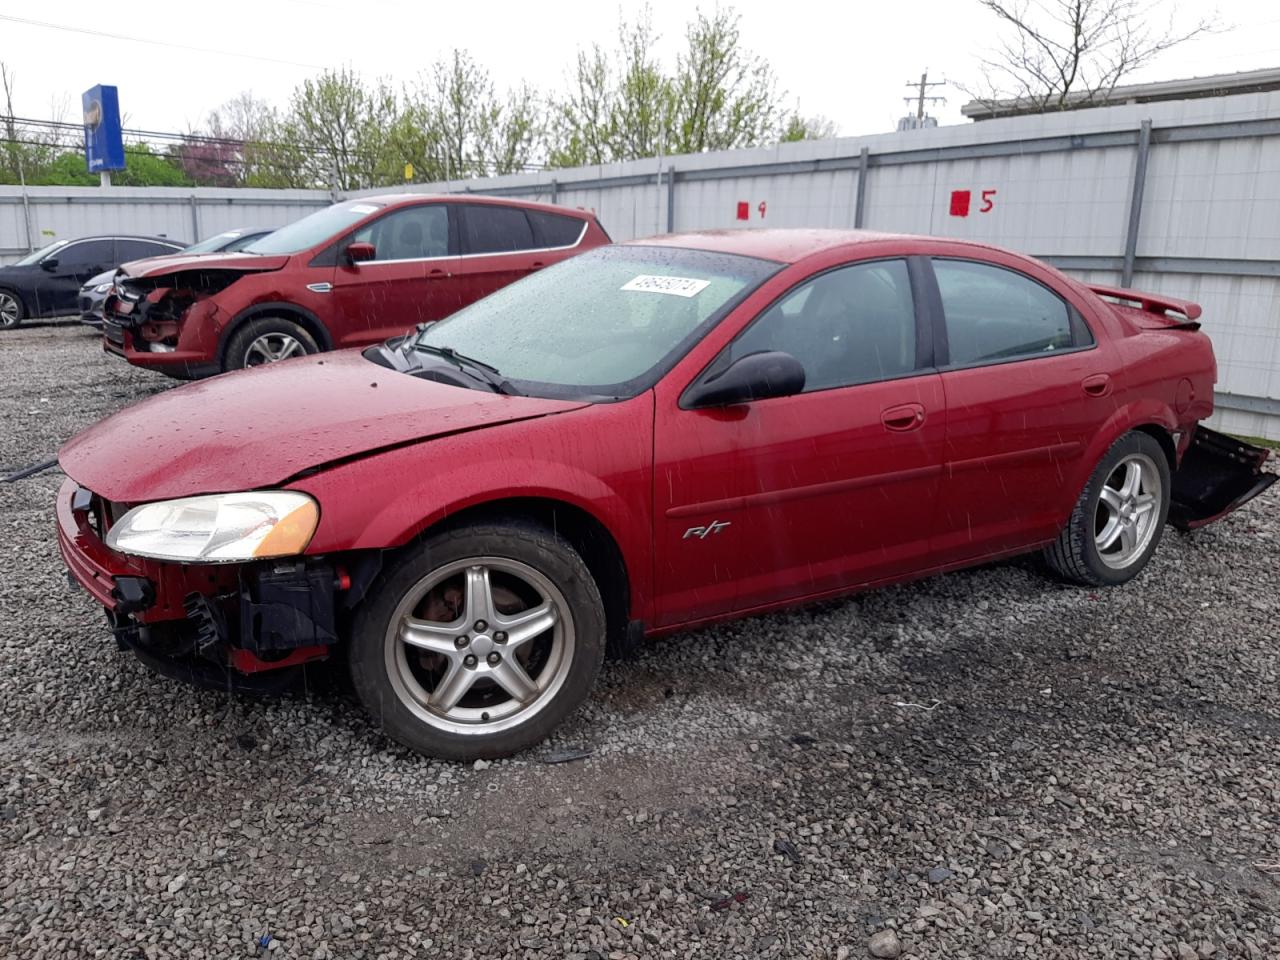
x=1249 y=81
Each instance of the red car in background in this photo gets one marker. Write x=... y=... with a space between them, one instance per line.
x=645 y=438
x=349 y=275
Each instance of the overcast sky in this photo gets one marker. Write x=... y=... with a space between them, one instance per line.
x=848 y=61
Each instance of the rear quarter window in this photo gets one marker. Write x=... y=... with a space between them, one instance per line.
x=554 y=230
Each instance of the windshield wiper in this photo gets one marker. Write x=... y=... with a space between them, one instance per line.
x=484 y=372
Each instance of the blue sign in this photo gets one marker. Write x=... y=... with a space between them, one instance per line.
x=103 y=143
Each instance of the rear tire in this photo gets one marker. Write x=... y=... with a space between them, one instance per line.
x=479 y=641
x=12 y=312
x=1119 y=518
x=267 y=340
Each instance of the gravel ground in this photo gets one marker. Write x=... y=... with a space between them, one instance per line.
x=1097 y=777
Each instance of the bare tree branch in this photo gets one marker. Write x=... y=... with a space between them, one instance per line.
x=1056 y=53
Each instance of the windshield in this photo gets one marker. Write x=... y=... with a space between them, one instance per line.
x=212 y=244
x=603 y=324
x=320 y=226
x=40 y=254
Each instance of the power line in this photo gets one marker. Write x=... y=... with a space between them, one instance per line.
x=158 y=43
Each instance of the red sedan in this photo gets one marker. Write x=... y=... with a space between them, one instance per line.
x=346 y=276
x=643 y=438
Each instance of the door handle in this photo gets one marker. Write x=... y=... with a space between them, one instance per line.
x=907 y=416
x=1098 y=385
x=537 y=265
x=435 y=273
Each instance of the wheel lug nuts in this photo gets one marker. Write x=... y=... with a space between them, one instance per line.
x=461 y=642
x=500 y=637
x=469 y=660
x=480 y=626
x=494 y=659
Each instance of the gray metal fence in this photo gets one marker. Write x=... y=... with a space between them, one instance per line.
x=1181 y=197
x=33 y=217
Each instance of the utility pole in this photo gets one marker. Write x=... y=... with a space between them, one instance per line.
x=923 y=88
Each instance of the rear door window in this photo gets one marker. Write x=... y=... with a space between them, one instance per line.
x=554 y=230
x=127 y=250
x=494 y=229
x=994 y=314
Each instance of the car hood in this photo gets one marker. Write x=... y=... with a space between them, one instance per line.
x=260 y=427
x=175 y=262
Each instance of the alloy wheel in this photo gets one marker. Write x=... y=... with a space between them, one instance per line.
x=270 y=348
x=10 y=313
x=480 y=645
x=1128 y=512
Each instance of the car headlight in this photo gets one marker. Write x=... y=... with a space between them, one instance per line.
x=218 y=528
x=103 y=287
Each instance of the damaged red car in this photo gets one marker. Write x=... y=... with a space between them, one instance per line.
x=646 y=437
x=349 y=275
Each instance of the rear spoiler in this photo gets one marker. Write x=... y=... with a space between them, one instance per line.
x=1152 y=303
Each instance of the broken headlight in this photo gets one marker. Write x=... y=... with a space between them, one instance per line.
x=218 y=528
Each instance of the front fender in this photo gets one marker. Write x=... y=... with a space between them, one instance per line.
x=598 y=459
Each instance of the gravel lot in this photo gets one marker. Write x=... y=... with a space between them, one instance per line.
x=1099 y=776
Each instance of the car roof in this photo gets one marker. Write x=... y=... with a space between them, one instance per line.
x=781 y=245
x=125 y=236
x=394 y=199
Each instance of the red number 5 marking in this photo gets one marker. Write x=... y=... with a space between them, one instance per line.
x=987 y=203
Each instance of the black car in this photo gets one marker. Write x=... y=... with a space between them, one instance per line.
x=94 y=293
x=46 y=283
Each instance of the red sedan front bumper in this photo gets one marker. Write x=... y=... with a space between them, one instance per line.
x=82 y=521
x=163 y=611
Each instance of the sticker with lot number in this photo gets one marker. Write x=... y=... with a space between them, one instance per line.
x=676 y=286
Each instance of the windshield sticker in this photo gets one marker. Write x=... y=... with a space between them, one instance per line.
x=676 y=286
x=363 y=208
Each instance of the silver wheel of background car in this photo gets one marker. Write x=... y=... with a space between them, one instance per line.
x=271 y=347
x=1128 y=513
x=10 y=310
x=479 y=645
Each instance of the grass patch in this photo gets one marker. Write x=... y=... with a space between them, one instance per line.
x=1259 y=441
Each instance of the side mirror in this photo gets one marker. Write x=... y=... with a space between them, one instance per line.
x=49 y=263
x=360 y=252
x=757 y=376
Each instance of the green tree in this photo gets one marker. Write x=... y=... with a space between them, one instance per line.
x=798 y=127
x=512 y=133
x=338 y=129
x=583 y=119
x=725 y=96
x=643 y=106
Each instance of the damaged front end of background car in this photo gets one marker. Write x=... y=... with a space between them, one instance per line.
x=152 y=308
x=165 y=316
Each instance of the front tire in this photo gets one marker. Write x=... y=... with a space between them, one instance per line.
x=1119 y=518
x=12 y=312
x=267 y=340
x=479 y=642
